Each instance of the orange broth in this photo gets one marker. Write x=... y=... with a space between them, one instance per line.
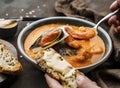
x=86 y=44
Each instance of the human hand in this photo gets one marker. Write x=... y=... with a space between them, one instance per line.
x=52 y=83
x=82 y=82
x=115 y=19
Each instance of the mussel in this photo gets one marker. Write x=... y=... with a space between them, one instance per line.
x=50 y=38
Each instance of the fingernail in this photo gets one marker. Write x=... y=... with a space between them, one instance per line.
x=79 y=78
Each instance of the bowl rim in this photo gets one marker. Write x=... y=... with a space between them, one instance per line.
x=104 y=58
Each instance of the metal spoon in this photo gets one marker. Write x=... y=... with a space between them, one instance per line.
x=106 y=17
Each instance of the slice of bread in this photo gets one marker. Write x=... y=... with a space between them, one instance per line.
x=9 y=64
x=54 y=64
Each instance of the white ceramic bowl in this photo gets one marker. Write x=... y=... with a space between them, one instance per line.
x=68 y=20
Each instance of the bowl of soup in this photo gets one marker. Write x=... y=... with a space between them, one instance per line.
x=84 y=54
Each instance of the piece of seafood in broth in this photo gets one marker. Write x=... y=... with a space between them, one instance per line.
x=50 y=38
x=82 y=32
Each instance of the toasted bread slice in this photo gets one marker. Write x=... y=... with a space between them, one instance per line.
x=54 y=64
x=9 y=64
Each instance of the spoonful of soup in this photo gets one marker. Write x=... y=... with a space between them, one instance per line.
x=51 y=37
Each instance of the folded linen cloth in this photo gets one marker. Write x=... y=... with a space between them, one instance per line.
x=106 y=75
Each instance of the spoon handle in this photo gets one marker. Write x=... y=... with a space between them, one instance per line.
x=106 y=17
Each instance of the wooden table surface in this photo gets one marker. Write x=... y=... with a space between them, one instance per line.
x=30 y=77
